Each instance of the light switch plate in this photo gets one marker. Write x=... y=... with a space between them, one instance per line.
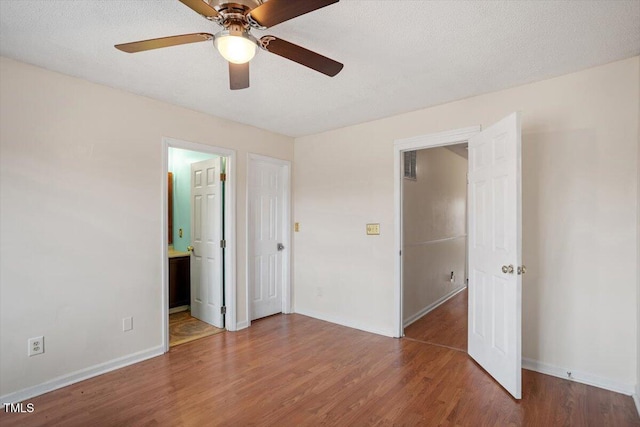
x=373 y=229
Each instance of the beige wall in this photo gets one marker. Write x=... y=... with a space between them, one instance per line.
x=434 y=230
x=80 y=237
x=580 y=201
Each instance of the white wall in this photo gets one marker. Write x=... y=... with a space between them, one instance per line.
x=580 y=201
x=80 y=217
x=434 y=230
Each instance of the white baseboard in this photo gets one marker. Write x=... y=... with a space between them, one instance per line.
x=433 y=306
x=81 y=375
x=636 y=398
x=578 y=376
x=242 y=325
x=344 y=322
x=178 y=309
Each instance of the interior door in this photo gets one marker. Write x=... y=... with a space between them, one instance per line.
x=266 y=206
x=206 y=232
x=495 y=285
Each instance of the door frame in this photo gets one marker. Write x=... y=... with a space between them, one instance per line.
x=432 y=140
x=230 y=230
x=287 y=306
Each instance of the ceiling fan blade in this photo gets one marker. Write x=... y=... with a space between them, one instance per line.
x=202 y=8
x=238 y=76
x=274 y=12
x=302 y=56
x=143 y=45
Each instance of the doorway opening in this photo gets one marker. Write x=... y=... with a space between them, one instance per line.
x=434 y=250
x=494 y=249
x=191 y=219
x=198 y=229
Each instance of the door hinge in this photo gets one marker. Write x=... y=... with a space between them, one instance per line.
x=223 y=244
x=223 y=177
x=223 y=310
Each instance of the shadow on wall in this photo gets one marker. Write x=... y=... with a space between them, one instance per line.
x=560 y=209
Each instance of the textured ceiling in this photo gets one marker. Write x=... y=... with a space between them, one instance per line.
x=399 y=56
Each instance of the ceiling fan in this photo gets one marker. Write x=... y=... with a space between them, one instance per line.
x=235 y=42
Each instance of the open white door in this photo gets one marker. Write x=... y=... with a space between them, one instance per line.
x=206 y=252
x=267 y=210
x=495 y=285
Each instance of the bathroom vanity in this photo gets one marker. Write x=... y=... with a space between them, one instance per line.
x=179 y=279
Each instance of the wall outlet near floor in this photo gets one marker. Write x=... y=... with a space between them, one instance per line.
x=36 y=346
x=127 y=324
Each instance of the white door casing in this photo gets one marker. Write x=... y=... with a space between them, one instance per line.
x=421 y=142
x=268 y=229
x=495 y=255
x=206 y=256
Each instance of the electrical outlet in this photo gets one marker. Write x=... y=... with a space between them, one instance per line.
x=36 y=346
x=127 y=324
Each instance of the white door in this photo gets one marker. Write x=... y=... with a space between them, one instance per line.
x=267 y=206
x=206 y=231
x=495 y=285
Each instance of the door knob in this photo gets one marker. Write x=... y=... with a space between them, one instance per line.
x=522 y=269
x=507 y=269
x=280 y=247
x=190 y=249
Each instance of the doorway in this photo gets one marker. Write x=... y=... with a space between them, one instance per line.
x=434 y=197
x=494 y=251
x=199 y=241
x=196 y=270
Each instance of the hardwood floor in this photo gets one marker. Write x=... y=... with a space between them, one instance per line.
x=291 y=370
x=446 y=325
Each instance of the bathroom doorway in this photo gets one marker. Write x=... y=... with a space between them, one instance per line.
x=198 y=266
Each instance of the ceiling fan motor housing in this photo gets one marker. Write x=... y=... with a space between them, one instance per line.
x=242 y=5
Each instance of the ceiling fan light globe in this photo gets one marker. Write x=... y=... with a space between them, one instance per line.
x=235 y=49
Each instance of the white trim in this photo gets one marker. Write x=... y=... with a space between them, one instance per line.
x=178 y=309
x=577 y=376
x=242 y=325
x=286 y=232
x=636 y=398
x=230 y=230
x=345 y=322
x=439 y=139
x=431 y=242
x=399 y=146
x=433 y=305
x=81 y=375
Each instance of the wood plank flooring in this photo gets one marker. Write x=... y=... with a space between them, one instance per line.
x=291 y=370
x=446 y=325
